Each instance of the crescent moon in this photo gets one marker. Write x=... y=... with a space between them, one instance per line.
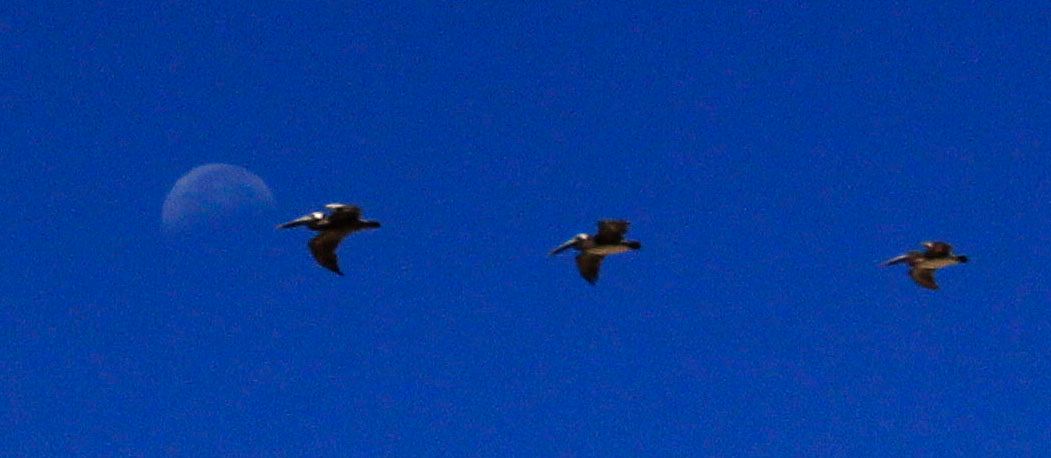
x=214 y=196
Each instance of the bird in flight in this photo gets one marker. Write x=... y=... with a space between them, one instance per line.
x=341 y=221
x=594 y=248
x=922 y=264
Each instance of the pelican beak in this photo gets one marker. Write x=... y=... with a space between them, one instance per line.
x=895 y=260
x=563 y=247
x=296 y=222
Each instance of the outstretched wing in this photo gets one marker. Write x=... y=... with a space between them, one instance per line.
x=323 y=247
x=611 y=231
x=342 y=213
x=588 y=265
x=924 y=277
x=938 y=249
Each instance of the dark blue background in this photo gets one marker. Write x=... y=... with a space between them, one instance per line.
x=768 y=155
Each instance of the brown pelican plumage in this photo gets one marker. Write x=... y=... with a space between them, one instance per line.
x=341 y=221
x=594 y=248
x=922 y=264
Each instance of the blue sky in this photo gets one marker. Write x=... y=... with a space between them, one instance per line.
x=769 y=156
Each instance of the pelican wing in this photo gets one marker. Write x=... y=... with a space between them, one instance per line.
x=342 y=213
x=938 y=249
x=611 y=231
x=588 y=265
x=323 y=247
x=924 y=277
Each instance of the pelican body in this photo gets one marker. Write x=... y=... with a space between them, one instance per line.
x=342 y=220
x=922 y=264
x=594 y=248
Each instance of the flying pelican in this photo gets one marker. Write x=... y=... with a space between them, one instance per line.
x=593 y=248
x=922 y=264
x=342 y=220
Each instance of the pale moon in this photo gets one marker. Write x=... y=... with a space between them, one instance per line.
x=214 y=197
